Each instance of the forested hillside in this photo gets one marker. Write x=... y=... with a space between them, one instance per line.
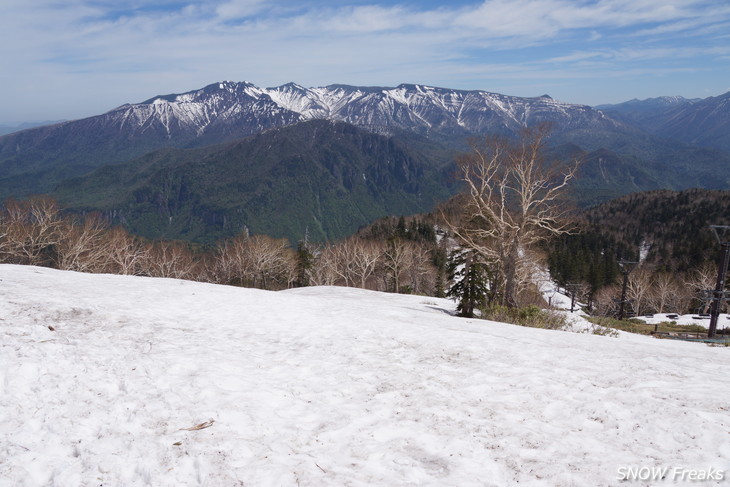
x=321 y=178
x=668 y=232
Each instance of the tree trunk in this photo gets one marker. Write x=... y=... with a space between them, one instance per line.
x=510 y=275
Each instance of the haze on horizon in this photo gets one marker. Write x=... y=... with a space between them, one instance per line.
x=85 y=57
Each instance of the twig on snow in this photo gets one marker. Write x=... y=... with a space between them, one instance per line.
x=201 y=426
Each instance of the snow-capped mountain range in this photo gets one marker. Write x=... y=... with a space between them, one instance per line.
x=409 y=107
x=227 y=111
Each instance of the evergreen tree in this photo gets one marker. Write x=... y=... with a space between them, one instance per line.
x=305 y=262
x=439 y=258
x=469 y=277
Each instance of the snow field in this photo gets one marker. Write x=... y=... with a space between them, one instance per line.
x=330 y=386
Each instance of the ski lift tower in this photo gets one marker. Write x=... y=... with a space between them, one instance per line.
x=626 y=268
x=722 y=233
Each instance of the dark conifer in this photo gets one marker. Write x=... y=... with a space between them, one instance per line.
x=469 y=277
x=305 y=261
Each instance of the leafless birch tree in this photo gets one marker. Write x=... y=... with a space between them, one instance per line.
x=397 y=256
x=171 y=259
x=258 y=261
x=366 y=258
x=126 y=252
x=323 y=271
x=355 y=260
x=668 y=295
x=421 y=273
x=512 y=201
x=32 y=230
x=639 y=290
x=82 y=245
x=702 y=280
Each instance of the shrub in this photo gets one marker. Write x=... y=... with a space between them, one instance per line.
x=603 y=331
x=531 y=316
x=634 y=325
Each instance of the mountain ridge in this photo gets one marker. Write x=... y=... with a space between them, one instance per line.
x=32 y=161
x=702 y=122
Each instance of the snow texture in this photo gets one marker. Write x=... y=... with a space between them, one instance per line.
x=130 y=381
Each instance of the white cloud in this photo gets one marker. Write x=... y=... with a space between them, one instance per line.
x=641 y=54
x=239 y=9
x=153 y=47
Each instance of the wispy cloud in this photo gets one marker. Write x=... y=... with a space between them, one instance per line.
x=147 y=47
x=239 y=9
x=639 y=54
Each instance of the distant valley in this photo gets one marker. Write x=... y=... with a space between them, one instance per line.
x=320 y=178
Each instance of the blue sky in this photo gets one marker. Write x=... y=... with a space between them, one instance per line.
x=77 y=58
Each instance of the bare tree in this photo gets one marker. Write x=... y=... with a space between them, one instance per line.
x=605 y=302
x=366 y=258
x=171 y=259
x=227 y=267
x=342 y=254
x=668 y=295
x=5 y=244
x=32 y=230
x=702 y=280
x=355 y=260
x=257 y=261
x=527 y=287
x=271 y=261
x=397 y=257
x=127 y=253
x=512 y=201
x=639 y=290
x=323 y=272
x=206 y=269
x=421 y=273
x=81 y=246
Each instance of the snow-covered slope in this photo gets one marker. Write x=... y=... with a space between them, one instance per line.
x=115 y=380
x=228 y=106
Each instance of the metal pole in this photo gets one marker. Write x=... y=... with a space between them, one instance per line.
x=572 y=287
x=621 y=312
x=626 y=268
x=719 y=291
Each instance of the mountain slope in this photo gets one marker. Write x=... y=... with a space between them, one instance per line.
x=641 y=112
x=327 y=178
x=606 y=174
x=704 y=123
x=673 y=226
x=324 y=177
x=34 y=160
x=9 y=129
x=669 y=230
